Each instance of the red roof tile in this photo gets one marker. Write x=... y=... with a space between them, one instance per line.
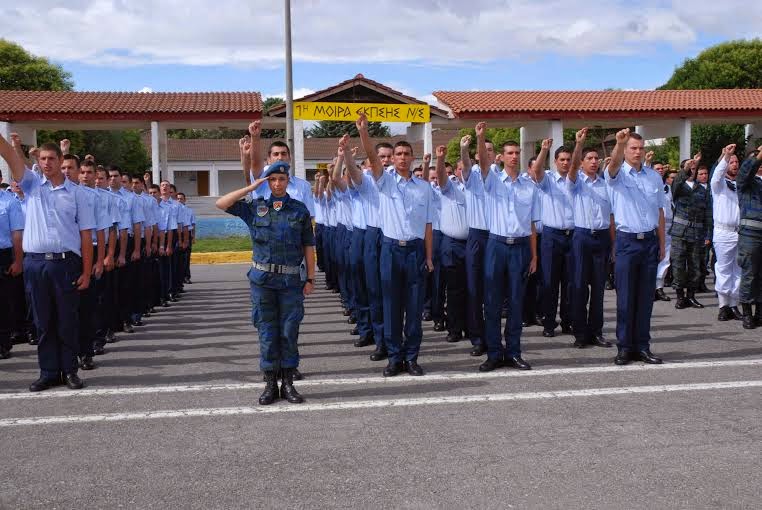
x=601 y=101
x=126 y=104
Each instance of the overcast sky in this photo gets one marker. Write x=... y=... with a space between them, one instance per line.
x=415 y=46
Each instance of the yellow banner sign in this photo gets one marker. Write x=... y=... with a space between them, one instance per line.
x=376 y=112
x=322 y=166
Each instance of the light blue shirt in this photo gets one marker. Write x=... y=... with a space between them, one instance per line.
x=370 y=200
x=319 y=212
x=330 y=210
x=476 y=212
x=113 y=205
x=636 y=198
x=148 y=209
x=183 y=214
x=453 y=219
x=167 y=216
x=343 y=208
x=592 y=208
x=100 y=210
x=55 y=215
x=405 y=206
x=358 y=211
x=11 y=219
x=511 y=205
x=436 y=207
x=191 y=218
x=297 y=188
x=134 y=206
x=556 y=202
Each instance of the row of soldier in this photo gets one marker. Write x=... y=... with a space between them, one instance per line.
x=97 y=250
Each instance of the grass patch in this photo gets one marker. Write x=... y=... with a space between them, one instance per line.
x=213 y=244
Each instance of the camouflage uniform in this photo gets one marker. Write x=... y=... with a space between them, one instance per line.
x=691 y=227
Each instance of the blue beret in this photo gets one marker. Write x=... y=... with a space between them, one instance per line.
x=279 y=167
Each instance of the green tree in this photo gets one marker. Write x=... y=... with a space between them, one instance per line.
x=20 y=70
x=730 y=65
x=337 y=129
x=498 y=136
x=266 y=106
x=122 y=148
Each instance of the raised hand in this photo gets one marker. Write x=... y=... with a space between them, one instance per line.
x=355 y=150
x=622 y=135
x=247 y=143
x=441 y=151
x=729 y=149
x=481 y=129
x=546 y=144
x=426 y=160
x=465 y=142
x=697 y=157
x=15 y=140
x=65 y=145
x=362 y=123
x=581 y=135
x=649 y=157
x=255 y=128
x=343 y=141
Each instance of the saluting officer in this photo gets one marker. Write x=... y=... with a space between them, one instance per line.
x=281 y=235
x=749 y=183
x=58 y=260
x=689 y=233
x=637 y=202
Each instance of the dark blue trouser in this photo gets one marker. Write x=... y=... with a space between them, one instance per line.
x=590 y=252
x=328 y=257
x=87 y=312
x=556 y=264
x=165 y=276
x=372 y=256
x=533 y=294
x=435 y=281
x=635 y=273
x=319 y=246
x=277 y=310
x=53 y=290
x=359 y=294
x=475 y=245
x=505 y=269
x=749 y=259
x=341 y=244
x=402 y=272
x=6 y=298
x=453 y=257
x=104 y=304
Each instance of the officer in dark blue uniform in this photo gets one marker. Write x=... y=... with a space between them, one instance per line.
x=281 y=235
x=750 y=238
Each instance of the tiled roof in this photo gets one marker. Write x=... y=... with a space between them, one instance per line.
x=314 y=148
x=601 y=101
x=123 y=104
x=359 y=79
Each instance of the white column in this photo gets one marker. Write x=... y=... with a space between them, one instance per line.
x=298 y=158
x=155 y=160
x=557 y=134
x=685 y=139
x=527 y=151
x=214 y=181
x=163 y=163
x=639 y=130
x=752 y=133
x=6 y=128
x=427 y=141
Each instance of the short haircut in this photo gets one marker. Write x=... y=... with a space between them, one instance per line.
x=588 y=150
x=114 y=168
x=635 y=136
x=510 y=143
x=448 y=164
x=4 y=185
x=50 y=146
x=164 y=180
x=278 y=143
x=153 y=186
x=403 y=143
x=383 y=145
x=181 y=193
x=561 y=150
x=532 y=160
x=89 y=163
x=702 y=167
x=173 y=187
x=490 y=142
x=682 y=163
x=71 y=157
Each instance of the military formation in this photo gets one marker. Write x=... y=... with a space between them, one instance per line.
x=86 y=253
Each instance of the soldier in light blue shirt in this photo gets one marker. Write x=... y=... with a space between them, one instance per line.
x=557 y=215
x=11 y=257
x=168 y=223
x=109 y=321
x=591 y=244
x=191 y=218
x=58 y=261
x=433 y=305
x=343 y=238
x=637 y=202
x=405 y=252
x=510 y=254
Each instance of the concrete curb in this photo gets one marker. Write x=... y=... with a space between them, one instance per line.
x=221 y=257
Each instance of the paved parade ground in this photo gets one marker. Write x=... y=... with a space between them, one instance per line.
x=169 y=419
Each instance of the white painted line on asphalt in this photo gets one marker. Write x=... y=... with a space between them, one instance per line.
x=404 y=379
x=370 y=404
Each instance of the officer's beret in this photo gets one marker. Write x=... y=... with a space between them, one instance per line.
x=279 y=167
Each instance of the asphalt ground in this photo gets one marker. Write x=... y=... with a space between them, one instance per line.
x=169 y=419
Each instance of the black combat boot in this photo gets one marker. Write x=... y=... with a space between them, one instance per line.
x=682 y=301
x=726 y=314
x=737 y=315
x=271 y=389
x=758 y=315
x=692 y=299
x=661 y=296
x=287 y=389
x=748 y=319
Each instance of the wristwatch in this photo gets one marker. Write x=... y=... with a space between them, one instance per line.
x=309 y=280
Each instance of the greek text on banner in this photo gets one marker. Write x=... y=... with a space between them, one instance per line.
x=376 y=112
